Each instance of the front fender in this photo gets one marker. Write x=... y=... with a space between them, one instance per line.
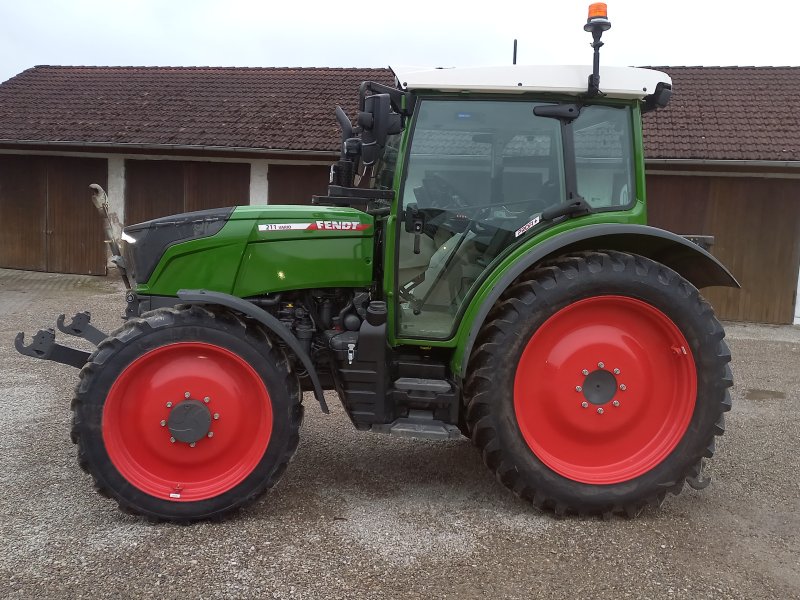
x=679 y=254
x=266 y=319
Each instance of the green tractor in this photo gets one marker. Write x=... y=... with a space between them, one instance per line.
x=480 y=267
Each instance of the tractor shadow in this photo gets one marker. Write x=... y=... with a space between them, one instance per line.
x=338 y=469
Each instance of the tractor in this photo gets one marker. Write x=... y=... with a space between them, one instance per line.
x=481 y=267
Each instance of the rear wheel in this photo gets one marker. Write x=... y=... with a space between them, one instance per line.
x=598 y=384
x=186 y=414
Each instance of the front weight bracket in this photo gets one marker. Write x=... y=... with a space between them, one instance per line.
x=80 y=327
x=44 y=347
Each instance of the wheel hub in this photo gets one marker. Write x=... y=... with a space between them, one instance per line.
x=189 y=421
x=599 y=387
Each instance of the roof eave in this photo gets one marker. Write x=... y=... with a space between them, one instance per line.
x=210 y=149
x=723 y=162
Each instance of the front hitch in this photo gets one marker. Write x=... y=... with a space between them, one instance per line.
x=44 y=344
x=80 y=327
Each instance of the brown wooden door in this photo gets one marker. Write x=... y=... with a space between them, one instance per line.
x=23 y=212
x=153 y=188
x=756 y=225
x=47 y=220
x=296 y=184
x=75 y=241
x=215 y=185
x=158 y=188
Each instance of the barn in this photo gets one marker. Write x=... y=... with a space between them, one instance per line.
x=723 y=160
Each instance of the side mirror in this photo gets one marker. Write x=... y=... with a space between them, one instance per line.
x=377 y=122
x=658 y=99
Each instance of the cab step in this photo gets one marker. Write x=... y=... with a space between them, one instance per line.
x=436 y=386
x=419 y=424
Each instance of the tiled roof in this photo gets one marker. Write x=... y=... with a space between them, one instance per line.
x=264 y=108
x=739 y=113
x=727 y=113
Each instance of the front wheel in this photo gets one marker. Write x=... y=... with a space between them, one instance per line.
x=598 y=384
x=186 y=414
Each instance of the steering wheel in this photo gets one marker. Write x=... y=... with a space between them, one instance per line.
x=439 y=193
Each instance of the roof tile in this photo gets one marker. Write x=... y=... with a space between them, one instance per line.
x=720 y=113
x=263 y=108
x=727 y=113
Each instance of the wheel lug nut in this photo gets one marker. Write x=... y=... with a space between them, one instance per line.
x=169 y=404
x=163 y=422
x=623 y=387
x=600 y=365
x=578 y=388
x=186 y=395
x=616 y=371
x=216 y=415
x=585 y=404
x=192 y=445
x=210 y=434
x=585 y=371
x=172 y=440
x=206 y=399
x=615 y=403
x=600 y=411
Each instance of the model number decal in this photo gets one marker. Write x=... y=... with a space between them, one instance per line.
x=532 y=223
x=282 y=226
x=316 y=226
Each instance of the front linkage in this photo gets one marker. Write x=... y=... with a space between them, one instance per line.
x=44 y=344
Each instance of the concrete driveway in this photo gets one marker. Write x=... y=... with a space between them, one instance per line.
x=360 y=515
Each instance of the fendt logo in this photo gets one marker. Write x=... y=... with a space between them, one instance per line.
x=343 y=225
x=317 y=226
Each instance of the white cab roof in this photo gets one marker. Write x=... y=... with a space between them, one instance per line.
x=615 y=82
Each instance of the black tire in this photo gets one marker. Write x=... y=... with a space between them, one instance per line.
x=159 y=328
x=523 y=308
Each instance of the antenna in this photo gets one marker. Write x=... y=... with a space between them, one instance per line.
x=515 y=52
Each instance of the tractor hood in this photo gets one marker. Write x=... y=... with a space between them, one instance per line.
x=250 y=249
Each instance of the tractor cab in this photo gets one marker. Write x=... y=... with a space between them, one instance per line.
x=474 y=162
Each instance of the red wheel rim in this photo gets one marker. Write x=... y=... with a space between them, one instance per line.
x=136 y=421
x=605 y=389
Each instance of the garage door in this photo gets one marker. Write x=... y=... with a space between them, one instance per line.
x=157 y=188
x=756 y=225
x=47 y=220
x=296 y=184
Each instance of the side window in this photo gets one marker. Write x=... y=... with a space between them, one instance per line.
x=603 y=157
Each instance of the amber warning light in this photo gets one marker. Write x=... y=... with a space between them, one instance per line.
x=598 y=10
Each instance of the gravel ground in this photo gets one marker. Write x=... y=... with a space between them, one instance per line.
x=366 y=516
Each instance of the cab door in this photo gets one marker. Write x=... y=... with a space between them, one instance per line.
x=478 y=171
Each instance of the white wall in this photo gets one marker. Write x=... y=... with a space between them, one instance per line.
x=116 y=186
x=259 y=182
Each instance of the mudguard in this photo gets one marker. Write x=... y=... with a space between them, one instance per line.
x=266 y=319
x=691 y=261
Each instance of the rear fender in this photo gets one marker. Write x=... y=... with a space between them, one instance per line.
x=679 y=254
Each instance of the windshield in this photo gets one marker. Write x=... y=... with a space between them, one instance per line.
x=479 y=175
